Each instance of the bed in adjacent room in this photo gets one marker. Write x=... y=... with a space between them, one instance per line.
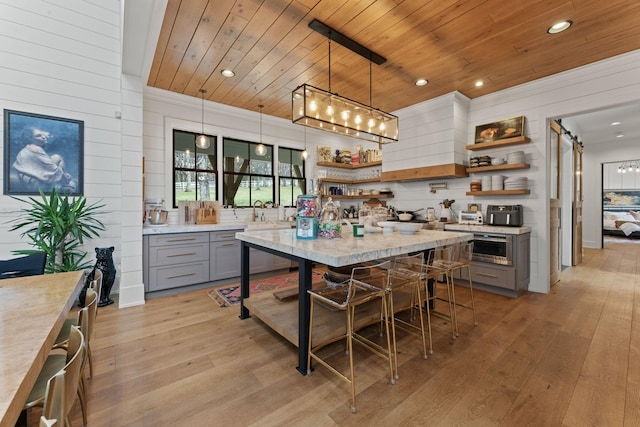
x=621 y=213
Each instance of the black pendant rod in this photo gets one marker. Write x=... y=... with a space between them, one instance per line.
x=345 y=41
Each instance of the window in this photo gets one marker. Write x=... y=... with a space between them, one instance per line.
x=248 y=177
x=194 y=169
x=291 y=178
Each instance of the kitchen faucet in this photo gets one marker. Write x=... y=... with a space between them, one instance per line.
x=261 y=205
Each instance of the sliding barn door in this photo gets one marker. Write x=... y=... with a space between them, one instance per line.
x=555 y=243
x=577 y=205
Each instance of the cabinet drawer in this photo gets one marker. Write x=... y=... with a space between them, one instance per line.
x=167 y=277
x=494 y=275
x=225 y=260
x=178 y=239
x=217 y=236
x=171 y=255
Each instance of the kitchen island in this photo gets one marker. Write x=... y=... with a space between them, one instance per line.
x=332 y=252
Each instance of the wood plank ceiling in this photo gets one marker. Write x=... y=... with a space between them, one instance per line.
x=452 y=43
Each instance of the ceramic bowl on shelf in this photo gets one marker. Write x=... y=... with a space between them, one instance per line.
x=408 y=227
x=405 y=217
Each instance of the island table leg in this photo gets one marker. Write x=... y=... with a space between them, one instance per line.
x=304 y=307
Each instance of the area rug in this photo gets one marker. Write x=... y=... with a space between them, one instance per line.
x=230 y=294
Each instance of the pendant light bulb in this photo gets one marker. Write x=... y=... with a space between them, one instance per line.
x=202 y=141
x=305 y=153
x=261 y=150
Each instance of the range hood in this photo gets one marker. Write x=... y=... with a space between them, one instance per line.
x=450 y=170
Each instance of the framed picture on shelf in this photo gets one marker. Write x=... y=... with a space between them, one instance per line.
x=324 y=154
x=42 y=153
x=509 y=128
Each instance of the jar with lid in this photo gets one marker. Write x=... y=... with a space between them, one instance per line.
x=330 y=223
x=379 y=214
x=363 y=213
x=307 y=217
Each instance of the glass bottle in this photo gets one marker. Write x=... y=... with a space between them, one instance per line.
x=330 y=223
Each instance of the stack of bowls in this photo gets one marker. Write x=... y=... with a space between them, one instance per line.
x=497 y=182
x=475 y=185
x=515 y=183
x=515 y=157
x=486 y=183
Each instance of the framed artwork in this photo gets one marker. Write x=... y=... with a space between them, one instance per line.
x=324 y=154
x=509 y=128
x=42 y=153
x=621 y=199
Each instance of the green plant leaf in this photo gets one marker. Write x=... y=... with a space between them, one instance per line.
x=58 y=225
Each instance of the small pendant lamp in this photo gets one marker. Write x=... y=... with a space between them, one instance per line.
x=261 y=150
x=202 y=141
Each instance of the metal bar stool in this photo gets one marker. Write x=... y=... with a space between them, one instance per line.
x=407 y=274
x=456 y=257
x=438 y=263
x=461 y=255
x=366 y=284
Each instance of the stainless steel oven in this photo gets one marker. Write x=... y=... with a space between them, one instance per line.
x=493 y=248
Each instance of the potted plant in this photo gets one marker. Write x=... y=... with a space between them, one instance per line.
x=58 y=225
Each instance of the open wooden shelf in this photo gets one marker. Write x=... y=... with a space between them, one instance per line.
x=498 y=192
x=503 y=167
x=349 y=181
x=361 y=196
x=349 y=165
x=499 y=143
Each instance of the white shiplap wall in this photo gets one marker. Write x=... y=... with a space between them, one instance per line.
x=62 y=58
x=431 y=133
x=164 y=111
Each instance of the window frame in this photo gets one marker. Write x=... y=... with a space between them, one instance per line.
x=303 y=178
x=250 y=148
x=213 y=139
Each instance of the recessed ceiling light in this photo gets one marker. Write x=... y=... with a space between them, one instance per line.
x=479 y=83
x=620 y=135
x=421 y=82
x=559 y=27
x=615 y=123
x=227 y=73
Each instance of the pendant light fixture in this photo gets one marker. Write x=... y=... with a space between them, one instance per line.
x=261 y=150
x=324 y=110
x=202 y=141
x=305 y=153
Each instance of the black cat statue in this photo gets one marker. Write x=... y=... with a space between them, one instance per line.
x=104 y=262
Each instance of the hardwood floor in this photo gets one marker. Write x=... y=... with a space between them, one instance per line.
x=570 y=358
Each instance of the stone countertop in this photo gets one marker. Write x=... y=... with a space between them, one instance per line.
x=190 y=228
x=348 y=249
x=487 y=229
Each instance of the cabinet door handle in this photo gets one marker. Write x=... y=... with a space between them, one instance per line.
x=181 y=275
x=487 y=275
x=227 y=236
x=175 y=255
x=186 y=239
x=230 y=244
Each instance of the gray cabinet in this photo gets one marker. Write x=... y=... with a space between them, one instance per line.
x=224 y=255
x=509 y=280
x=174 y=260
x=177 y=260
